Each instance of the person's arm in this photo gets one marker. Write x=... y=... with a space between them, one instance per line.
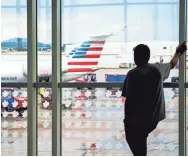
x=179 y=51
x=174 y=60
x=124 y=88
x=165 y=68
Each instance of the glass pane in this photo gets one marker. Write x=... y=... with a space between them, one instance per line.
x=137 y=24
x=154 y=30
x=13 y=63
x=44 y=72
x=14 y=121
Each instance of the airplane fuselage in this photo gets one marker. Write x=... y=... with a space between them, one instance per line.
x=17 y=72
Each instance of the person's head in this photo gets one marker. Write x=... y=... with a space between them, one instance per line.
x=141 y=54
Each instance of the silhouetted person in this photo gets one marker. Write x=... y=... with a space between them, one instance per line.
x=143 y=90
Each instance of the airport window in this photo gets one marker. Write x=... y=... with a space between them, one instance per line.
x=87 y=112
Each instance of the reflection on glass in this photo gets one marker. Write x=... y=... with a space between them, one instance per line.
x=92 y=119
x=13 y=121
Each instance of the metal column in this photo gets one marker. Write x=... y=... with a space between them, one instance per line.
x=182 y=78
x=56 y=55
x=32 y=68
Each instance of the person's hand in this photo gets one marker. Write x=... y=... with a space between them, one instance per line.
x=181 y=48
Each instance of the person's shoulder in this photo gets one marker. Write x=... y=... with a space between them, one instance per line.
x=131 y=71
x=159 y=65
x=154 y=66
x=154 y=69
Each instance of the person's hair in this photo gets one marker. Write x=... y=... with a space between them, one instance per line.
x=141 y=54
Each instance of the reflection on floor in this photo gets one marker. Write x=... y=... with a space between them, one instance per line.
x=90 y=126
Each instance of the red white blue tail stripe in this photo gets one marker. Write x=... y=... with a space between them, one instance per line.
x=86 y=56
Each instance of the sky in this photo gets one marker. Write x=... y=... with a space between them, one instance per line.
x=144 y=22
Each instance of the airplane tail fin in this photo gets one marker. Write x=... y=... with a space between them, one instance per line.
x=88 y=53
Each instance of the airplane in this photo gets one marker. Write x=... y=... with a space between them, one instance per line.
x=82 y=60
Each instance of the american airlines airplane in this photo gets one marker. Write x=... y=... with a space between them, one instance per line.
x=82 y=60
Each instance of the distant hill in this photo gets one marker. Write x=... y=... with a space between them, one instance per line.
x=20 y=44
